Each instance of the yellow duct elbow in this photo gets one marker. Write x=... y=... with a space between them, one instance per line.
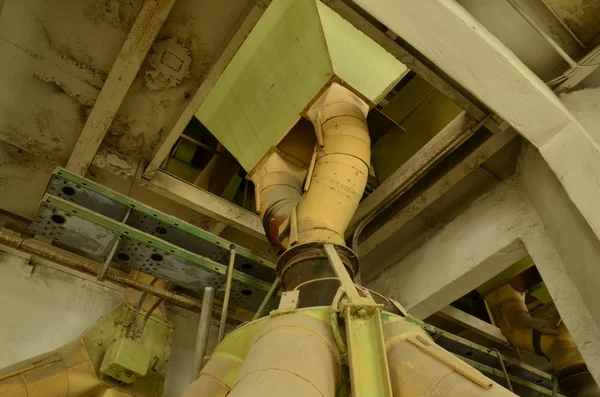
x=65 y=372
x=337 y=180
x=508 y=308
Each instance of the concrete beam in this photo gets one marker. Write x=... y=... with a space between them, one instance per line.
x=137 y=44
x=176 y=129
x=452 y=136
x=451 y=38
x=440 y=187
x=496 y=231
x=206 y=203
x=427 y=72
x=474 y=324
x=573 y=238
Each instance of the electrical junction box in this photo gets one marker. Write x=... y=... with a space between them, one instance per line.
x=125 y=360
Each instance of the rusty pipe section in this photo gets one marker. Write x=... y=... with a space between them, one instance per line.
x=419 y=367
x=508 y=307
x=292 y=355
x=65 y=372
x=337 y=180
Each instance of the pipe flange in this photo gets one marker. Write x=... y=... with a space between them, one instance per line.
x=314 y=251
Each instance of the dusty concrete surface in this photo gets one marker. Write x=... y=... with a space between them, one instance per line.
x=57 y=56
x=47 y=308
x=23 y=180
x=585 y=106
x=498 y=229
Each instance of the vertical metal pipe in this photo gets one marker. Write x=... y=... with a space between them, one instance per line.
x=203 y=328
x=227 y=292
x=106 y=265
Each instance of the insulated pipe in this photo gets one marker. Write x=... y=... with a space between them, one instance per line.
x=419 y=367
x=338 y=178
x=278 y=184
x=293 y=355
x=218 y=375
x=65 y=372
x=510 y=312
x=341 y=169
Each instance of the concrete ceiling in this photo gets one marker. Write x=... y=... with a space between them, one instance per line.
x=57 y=56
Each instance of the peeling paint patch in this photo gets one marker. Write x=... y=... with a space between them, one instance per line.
x=82 y=99
x=115 y=163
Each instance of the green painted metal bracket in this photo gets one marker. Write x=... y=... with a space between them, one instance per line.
x=149 y=240
x=369 y=373
x=170 y=220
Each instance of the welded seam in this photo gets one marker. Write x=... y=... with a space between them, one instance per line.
x=336 y=353
x=282 y=370
x=439 y=381
x=215 y=378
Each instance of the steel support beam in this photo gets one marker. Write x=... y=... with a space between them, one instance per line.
x=474 y=324
x=452 y=136
x=206 y=203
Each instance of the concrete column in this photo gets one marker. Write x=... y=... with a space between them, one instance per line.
x=478 y=244
x=451 y=38
x=498 y=229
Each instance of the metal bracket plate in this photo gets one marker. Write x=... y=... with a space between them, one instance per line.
x=85 y=217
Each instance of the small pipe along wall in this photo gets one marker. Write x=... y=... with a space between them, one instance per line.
x=524 y=332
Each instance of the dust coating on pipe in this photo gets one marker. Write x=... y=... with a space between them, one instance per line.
x=293 y=355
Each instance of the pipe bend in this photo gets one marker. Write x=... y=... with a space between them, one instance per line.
x=508 y=307
x=338 y=179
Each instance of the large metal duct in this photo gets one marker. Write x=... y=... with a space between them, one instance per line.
x=301 y=223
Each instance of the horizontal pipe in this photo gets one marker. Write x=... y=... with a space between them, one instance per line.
x=62 y=257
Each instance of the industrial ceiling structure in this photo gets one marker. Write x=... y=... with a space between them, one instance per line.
x=444 y=155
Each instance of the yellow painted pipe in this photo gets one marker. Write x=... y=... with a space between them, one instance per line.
x=293 y=355
x=337 y=180
x=419 y=367
x=341 y=168
x=65 y=372
x=510 y=312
